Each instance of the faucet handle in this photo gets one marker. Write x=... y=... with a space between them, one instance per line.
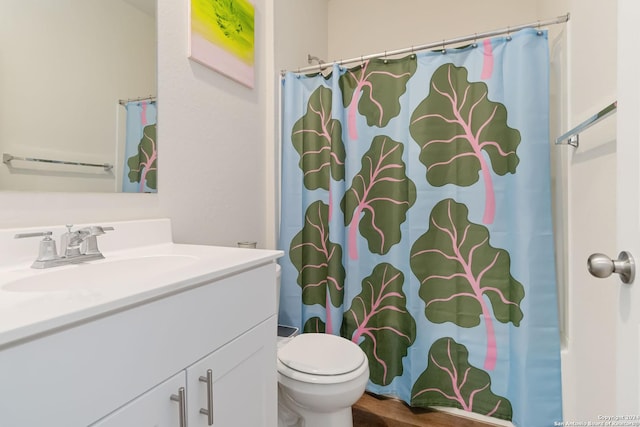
x=46 y=234
x=97 y=230
x=47 y=250
x=90 y=243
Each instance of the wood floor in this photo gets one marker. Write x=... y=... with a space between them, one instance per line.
x=372 y=411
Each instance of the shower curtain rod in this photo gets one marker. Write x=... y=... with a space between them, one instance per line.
x=472 y=37
x=142 y=98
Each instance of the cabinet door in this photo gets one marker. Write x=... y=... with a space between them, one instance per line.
x=154 y=408
x=244 y=381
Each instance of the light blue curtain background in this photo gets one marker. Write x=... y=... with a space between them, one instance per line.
x=139 y=115
x=427 y=352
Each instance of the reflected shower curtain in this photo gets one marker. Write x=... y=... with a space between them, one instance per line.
x=416 y=220
x=141 y=150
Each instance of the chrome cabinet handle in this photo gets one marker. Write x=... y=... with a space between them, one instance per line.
x=182 y=406
x=209 y=411
x=602 y=266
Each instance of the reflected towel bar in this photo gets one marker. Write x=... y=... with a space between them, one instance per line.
x=572 y=137
x=149 y=98
x=7 y=158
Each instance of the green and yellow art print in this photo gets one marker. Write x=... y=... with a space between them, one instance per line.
x=221 y=36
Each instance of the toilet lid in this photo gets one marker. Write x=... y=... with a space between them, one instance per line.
x=321 y=354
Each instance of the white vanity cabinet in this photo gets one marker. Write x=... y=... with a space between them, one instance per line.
x=237 y=390
x=121 y=368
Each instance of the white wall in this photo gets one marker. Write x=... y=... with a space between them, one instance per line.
x=589 y=357
x=212 y=139
x=60 y=92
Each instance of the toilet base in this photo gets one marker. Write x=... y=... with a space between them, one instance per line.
x=292 y=415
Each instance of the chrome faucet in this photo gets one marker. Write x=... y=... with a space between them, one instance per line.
x=75 y=246
x=82 y=242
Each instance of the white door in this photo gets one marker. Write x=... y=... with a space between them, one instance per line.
x=628 y=215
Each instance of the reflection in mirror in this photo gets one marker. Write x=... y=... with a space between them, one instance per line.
x=67 y=71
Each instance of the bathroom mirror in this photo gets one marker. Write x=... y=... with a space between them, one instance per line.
x=65 y=67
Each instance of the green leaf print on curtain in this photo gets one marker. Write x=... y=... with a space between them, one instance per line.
x=379 y=316
x=454 y=124
x=318 y=261
x=314 y=324
x=143 y=167
x=451 y=381
x=457 y=268
x=318 y=140
x=383 y=192
x=379 y=84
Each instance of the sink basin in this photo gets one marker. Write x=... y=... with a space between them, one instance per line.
x=142 y=265
x=100 y=274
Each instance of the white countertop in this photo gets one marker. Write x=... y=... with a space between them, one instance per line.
x=38 y=301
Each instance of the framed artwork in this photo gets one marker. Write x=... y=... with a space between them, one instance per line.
x=221 y=37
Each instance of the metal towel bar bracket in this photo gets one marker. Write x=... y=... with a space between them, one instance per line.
x=573 y=136
x=7 y=158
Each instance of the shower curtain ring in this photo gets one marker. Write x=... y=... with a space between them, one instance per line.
x=475 y=40
x=508 y=34
x=443 y=47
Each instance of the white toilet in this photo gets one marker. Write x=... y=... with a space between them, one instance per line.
x=320 y=376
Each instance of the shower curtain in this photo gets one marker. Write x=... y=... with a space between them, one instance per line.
x=416 y=220
x=141 y=148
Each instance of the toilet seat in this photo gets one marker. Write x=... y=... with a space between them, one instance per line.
x=321 y=358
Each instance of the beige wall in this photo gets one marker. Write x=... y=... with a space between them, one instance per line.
x=360 y=27
x=300 y=30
